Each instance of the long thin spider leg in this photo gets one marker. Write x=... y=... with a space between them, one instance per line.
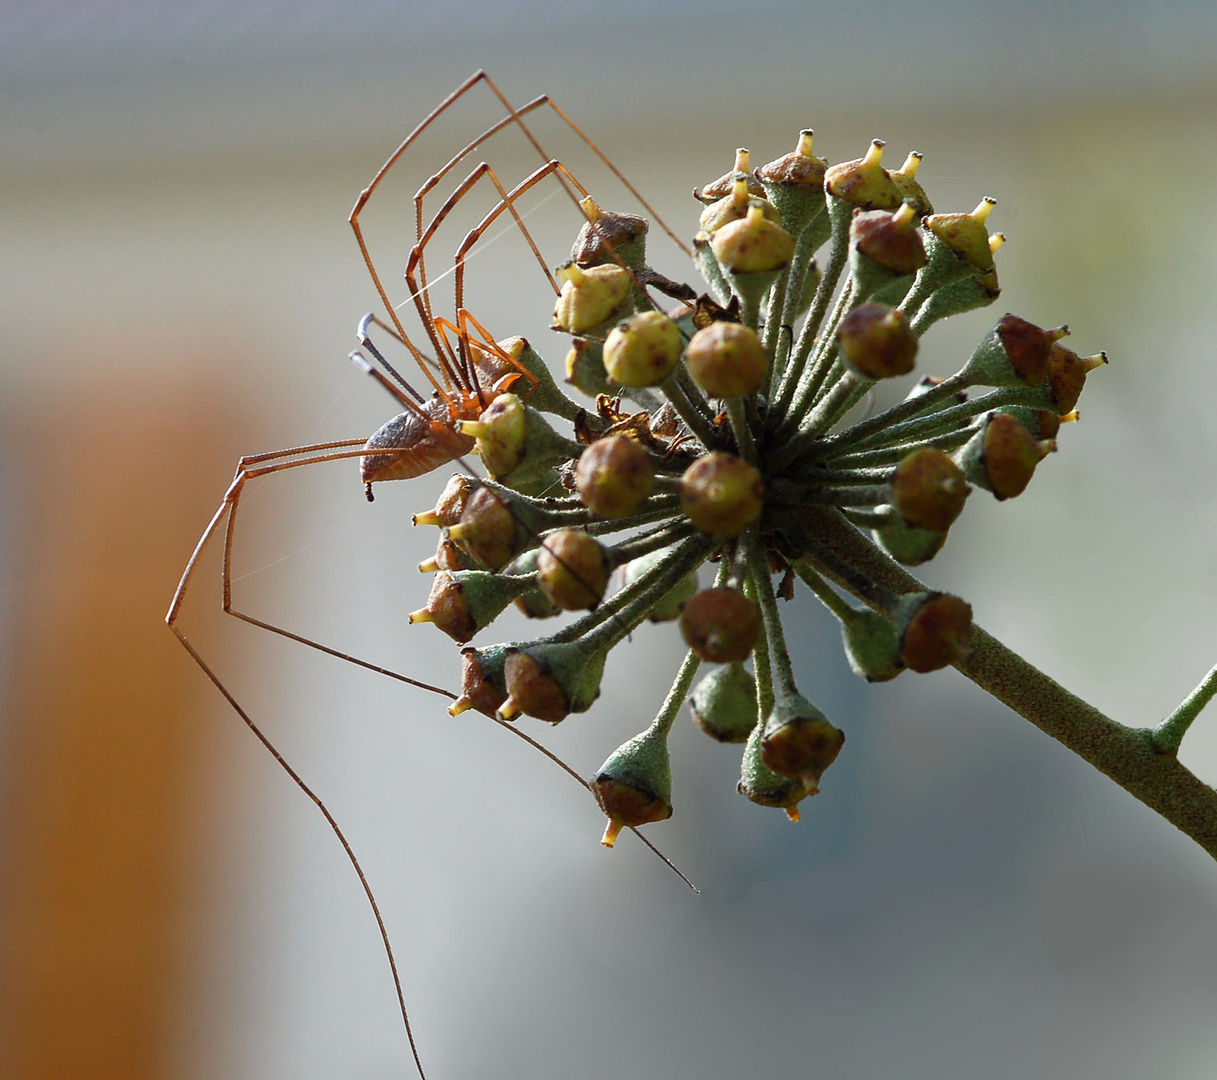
x=366 y=342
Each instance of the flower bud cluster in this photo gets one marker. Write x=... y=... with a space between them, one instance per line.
x=821 y=280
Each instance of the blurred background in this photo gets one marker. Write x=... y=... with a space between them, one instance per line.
x=180 y=286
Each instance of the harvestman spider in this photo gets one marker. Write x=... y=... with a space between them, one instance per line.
x=458 y=379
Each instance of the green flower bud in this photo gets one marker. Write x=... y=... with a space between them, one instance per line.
x=877 y=342
x=909 y=545
x=752 y=245
x=799 y=742
x=591 y=297
x=934 y=629
x=1001 y=457
x=723 y=704
x=585 y=367
x=572 y=569
x=551 y=680
x=634 y=786
x=721 y=494
x=609 y=237
x=727 y=360
x=906 y=184
x=864 y=182
x=643 y=350
x=614 y=476
x=928 y=490
x=1067 y=375
x=450 y=504
x=720 y=625
x=462 y=602
x=725 y=184
x=670 y=606
x=872 y=646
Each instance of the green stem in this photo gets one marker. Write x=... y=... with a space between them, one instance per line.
x=762 y=584
x=1169 y=734
x=670 y=709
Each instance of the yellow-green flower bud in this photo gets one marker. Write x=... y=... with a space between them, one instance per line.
x=1001 y=457
x=752 y=245
x=935 y=629
x=864 y=182
x=735 y=207
x=643 y=350
x=500 y=432
x=928 y=490
x=872 y=645
x=591 y=297
x=614 y=476
x=720 y=625
x=721 y=494
x=965 y=234
x=910 y=190
x=877 y=342
x=572 y=569
x=727 y=360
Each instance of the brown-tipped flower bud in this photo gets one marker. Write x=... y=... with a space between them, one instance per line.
x=591 y=297
x=487 y=529
x=721 y=494
x=614 y=476
x=500 y=431
x=609 y=236
x=483 y=679
x=723 y=704
x=462 y=602
x=889 y=240
x=965 y=234
x=928 y=489
x=762 y=785
x=725 y=184
x=1040 y=423
x=634 y=786
x=1067 y=375
x=876 y=340
x=727 y=360
x=449 y=556
x=1015 y=353
x=934 y=629
x=1001 y=457
x=800 y=168
x=910 y=190
x=669 y=607
x=908 y=545
x=552 y=680
x=752 y=245
x=720 y=625
x=799 y=742
x=450 y=504
x=643 y=350
x=864 y=182
x=572 y=569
